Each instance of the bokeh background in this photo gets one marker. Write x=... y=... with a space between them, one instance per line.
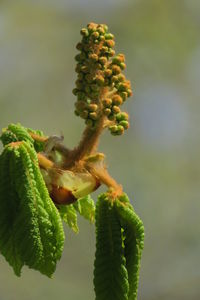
x=157 y=160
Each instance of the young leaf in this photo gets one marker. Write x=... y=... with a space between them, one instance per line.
x=16 y=132
x=86 y=208
x=110 y=274
x=69 y=216
x=37 y=234
x=9 y=208
x=133 y=232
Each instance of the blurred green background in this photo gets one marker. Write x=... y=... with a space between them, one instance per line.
x=157 y=160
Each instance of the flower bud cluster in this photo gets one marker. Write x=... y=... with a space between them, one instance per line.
x=101 y=88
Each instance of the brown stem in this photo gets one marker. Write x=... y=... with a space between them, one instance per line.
x=87 y=145
x=105 y=178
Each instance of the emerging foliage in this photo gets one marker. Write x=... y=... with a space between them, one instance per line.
x=30 y=222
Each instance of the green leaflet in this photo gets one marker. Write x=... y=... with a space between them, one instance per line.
x=16 y=132
x=9 y=209
x=110 y=274
x=34 y=229
x=86 y=208
x=133 y=241
x=69 y=216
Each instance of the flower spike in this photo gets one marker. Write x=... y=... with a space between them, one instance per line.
x=101 y=88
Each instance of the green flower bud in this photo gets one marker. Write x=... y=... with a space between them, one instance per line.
x=89 y=122
x=108 y=72
x=103 y=60
x=79 y=84
x=109 y=36
x=117 y=100
x=122 y=116
x=121 y=77
x=107 y=102
x=78 y=68
x=118 y=59
x=104 y=49
x=79 y=46
x=107 y=111
x=80 y=57
x=111 y=117
x=124 y=123
x=84 y=114
x=102 y=38
x=124 y=95
x=100 y=80
x=76 y=113
x=123 y=87
x=116 y=69
x=95 y=35
x=109 y=43
x=80 y=105
x=84 y=69
x=100 y=29
x=120 y=130
x=115 y=109
x=129 y=92
x=93 y=116
x=114 y=78
x=84 y=32
x=91 y=27
x=93 y=107
x=81 y=96
x=113 y=128
x=111 y=52
x=93 y=57
x=75 y=91
x=122 y=66
x=105 y=27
